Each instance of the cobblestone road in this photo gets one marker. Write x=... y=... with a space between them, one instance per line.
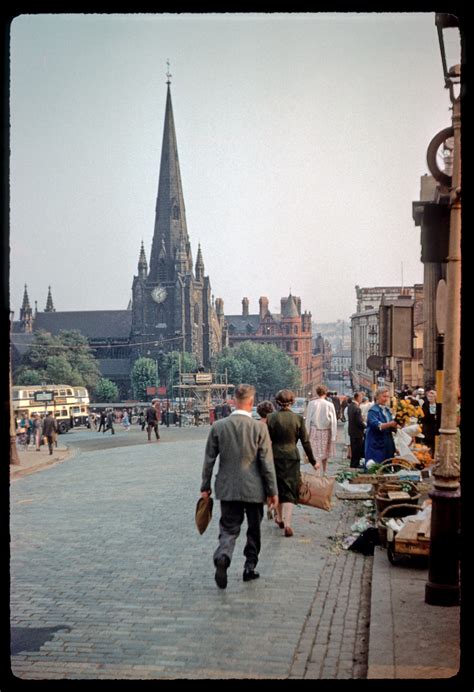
x=110 y=578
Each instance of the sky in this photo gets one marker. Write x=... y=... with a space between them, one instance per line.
x=301 y=137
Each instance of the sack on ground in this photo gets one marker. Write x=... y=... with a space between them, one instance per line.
x=315 y=491
x=203 y=513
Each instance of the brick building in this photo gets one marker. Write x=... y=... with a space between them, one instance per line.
x=290 y=331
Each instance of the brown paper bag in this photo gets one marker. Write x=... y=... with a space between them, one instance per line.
x=203 y=513
x=315 y=491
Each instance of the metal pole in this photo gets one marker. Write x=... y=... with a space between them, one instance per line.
x=442 y=587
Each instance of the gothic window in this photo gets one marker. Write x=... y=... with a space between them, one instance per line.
x=175 y=211
x=295 y=346
x=295 y=329
x=196 y=314
x=287 y=328
x=288 y=345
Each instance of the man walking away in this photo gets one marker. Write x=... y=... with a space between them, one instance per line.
x=152 y=421
x=50 y=427
x=102 y=420
x=110 y=422
x=356 y=429
x=246 y=477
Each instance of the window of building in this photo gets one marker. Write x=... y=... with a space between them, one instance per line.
x=296 y=361
x=288 y=345
x=295 y=329
x=287 y=328
x=295 y=346
x=175 y=212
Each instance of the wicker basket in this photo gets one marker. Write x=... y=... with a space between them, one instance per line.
x=382 y=500
x=398 y=510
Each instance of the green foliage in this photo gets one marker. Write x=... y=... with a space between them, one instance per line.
x=62 y=359
x=168 y=367
x=29 y=376
x=264 y=366
x=59 y=370
x=106 y=391
x=143 y=375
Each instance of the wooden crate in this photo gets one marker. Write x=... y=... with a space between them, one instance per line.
x=413 y=538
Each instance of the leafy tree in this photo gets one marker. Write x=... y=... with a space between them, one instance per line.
x=264 y=366
x=62 y=359
x=143 y=375
x=106 y=391
x=59 y=370
x=168 y=367
x=29 y=376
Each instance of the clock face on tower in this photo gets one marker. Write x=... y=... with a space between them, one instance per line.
x=159 y=294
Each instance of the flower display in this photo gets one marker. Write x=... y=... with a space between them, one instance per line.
x=407 y=413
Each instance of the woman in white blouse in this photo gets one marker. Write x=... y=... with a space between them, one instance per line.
x=322 y=422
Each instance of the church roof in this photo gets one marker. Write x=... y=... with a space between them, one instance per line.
x=113 y=367
x=94 y=324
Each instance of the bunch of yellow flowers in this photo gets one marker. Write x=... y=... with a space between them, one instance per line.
x=407 y=412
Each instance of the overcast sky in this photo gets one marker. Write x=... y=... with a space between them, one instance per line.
x=301 y=140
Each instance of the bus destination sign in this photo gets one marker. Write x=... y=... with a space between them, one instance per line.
x=44 y=396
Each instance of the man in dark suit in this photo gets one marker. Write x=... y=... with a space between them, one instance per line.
x=356 y=429
x=246 y=478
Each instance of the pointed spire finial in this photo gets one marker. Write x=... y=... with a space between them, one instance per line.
x=168 y=73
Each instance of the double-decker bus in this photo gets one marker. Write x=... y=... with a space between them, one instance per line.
x=70 y=405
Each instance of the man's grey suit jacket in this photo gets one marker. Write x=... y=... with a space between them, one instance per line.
x=246 y=469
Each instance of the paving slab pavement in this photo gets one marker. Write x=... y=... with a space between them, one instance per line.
x=150 y=619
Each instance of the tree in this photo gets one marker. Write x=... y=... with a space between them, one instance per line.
x=168 y=367
x=106 y=391
x=62 y=359
x=264 y=366
x=143 y=375
x=29 y=376
x=59 y=370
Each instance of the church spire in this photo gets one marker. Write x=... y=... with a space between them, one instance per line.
x=26 y=301
x=199 y=265
x=26 y=314
x=142 y=263
x=170 y=218
x=49 y=302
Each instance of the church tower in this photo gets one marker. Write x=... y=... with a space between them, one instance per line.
x=171 y=299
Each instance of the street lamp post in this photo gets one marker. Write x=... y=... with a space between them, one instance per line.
x=442 y=587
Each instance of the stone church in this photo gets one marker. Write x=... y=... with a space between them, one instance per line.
x=172 y=308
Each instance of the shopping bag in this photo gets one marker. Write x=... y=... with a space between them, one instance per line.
x=402 y=441
x=203 y=513
x=315 y=491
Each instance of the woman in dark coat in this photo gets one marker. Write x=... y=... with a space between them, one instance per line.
x=286 y=428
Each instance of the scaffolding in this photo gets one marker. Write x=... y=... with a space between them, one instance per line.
x=204 y=388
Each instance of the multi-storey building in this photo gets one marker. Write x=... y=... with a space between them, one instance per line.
x=290 y=331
